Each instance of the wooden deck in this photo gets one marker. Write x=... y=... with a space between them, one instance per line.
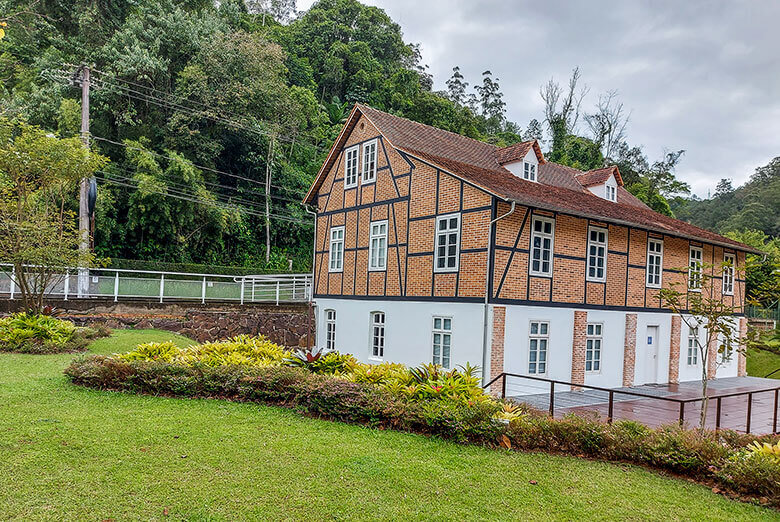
x=654 y=412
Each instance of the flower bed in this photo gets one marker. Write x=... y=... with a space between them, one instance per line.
x=27 y=333
x=427 y=400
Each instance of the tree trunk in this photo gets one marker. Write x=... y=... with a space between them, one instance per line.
x=704 y=384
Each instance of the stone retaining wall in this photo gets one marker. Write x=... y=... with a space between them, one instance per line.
x=288 y=325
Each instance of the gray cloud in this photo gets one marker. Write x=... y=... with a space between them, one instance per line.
x=698 y=75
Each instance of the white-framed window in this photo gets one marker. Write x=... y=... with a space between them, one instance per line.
x=725 y=348
x=447 y=243
x=377 y=246
x=336 y=260
x=693 y=348
x=694 y=268
x=729 y=262
x=593 y=347
x=377 y=335
x=330 y=330
x=369 y=162
x=611 y=193
x=655 y=262
x=529 y=171
x=442 y=340
x=542 y=236
x=351 y=166
x=538 y=338
x=597 y=254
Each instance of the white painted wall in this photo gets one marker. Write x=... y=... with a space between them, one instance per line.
x=693 y=372
x=408 y=324
x=601 y=191
x=642 y=373
x=516 y=167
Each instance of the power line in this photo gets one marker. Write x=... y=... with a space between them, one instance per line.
x=116 y=180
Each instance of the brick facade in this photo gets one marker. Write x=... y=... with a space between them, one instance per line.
x=674 y=349
x=497 y=347
x=629 y=350
x=741 y=359
x=712 y=357
x=579 y=336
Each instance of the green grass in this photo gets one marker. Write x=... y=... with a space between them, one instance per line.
x=73 y=453
x=761 y=363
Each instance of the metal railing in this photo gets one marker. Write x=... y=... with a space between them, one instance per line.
x=681 y=402
x=759 y=312
x=122 y=284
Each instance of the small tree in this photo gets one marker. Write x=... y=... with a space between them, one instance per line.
x=700 y=306
x=39 y=179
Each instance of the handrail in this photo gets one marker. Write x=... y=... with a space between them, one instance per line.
x=682 y=402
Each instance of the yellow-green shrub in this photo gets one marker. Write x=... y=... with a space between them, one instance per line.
x=164 y=351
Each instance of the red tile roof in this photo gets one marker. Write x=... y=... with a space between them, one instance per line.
x=518 y=151
x=599 y=176
x=559 y=188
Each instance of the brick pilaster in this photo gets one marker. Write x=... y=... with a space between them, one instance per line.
x=712 y=357
x=578 y=347
x=674 y=350
x=497 y=348
x=629 y=350
x=741 y=359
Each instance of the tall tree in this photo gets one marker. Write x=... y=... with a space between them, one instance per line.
x=491 y=101
x=608 y=123
x=457 y=86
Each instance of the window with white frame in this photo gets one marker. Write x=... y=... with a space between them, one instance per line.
x=369 y=162
x=529 y=171
x=330 y=330
x=542 y=234
x=593 y=347
x=597 y=254
x=336 y=249
x=611 y=194
x=725 y=348
x=729 y=262
x=655 y=262
x=378 y=246
x=538 y=338
x=694 y=268
x=447 y=243
x=377 y=335
x=351 y=166
x=442 y=341
x=693 y=346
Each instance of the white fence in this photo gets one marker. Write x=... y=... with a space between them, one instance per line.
x=120 y=284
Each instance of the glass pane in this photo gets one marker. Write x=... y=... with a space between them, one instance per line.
x=453 y=223
x=543 y=328
x=448 y=324
x=534 y=328
x=437 y=324
x=542 y=367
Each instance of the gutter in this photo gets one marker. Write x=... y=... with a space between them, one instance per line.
x=488 y=269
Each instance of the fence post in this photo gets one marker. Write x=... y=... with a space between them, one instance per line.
x=13 y=281
x=552 y=399
x=611 y=404
x=162 y=286
x=682 y=413
x=503 y=386
x=67 y=285
x=277 y=292
x=242 y=289
x=116 y=286
x=717 y=414
x=203 y=291
x=749 y=411
x=774 y=416
x=293 y=290
x=254 y=283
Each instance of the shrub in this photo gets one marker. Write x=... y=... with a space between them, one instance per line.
x=753 y=473
x=29 y=333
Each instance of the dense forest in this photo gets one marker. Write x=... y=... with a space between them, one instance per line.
x=217 y=115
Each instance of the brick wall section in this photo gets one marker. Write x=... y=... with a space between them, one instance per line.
x=578 y=347
x=741 y=359
x=629 y=350
x=497 y=348
x=712 y=357
x=674 y=349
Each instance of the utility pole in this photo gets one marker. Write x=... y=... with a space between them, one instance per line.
x=269 y=161
x=83 y=278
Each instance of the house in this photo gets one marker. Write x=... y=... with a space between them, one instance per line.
x=434 y=247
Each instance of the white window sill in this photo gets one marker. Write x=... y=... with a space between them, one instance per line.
x=539 y=274
x=657 y=287
x=445 y=270
x=383 y=269
x=594 y=280
x=336 y=271
x=368 y=181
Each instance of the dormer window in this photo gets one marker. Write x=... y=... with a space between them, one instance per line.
x=611 y=193
x=529 y=171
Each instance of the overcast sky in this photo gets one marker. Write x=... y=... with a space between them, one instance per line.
x=703 y=76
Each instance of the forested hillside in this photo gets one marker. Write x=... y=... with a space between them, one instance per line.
x=217 y=115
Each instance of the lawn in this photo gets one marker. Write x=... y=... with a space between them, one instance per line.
x=761 y=363
x=74 y=453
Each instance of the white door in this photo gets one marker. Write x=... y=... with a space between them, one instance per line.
x=651 y=355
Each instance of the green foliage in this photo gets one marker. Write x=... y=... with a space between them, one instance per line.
x=29 y=333
x=762 y=272
x=764 y=448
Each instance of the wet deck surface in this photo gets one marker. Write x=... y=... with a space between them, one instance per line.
x=656 y=412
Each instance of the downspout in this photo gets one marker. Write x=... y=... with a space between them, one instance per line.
x=488 y=269
x=310 y=342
